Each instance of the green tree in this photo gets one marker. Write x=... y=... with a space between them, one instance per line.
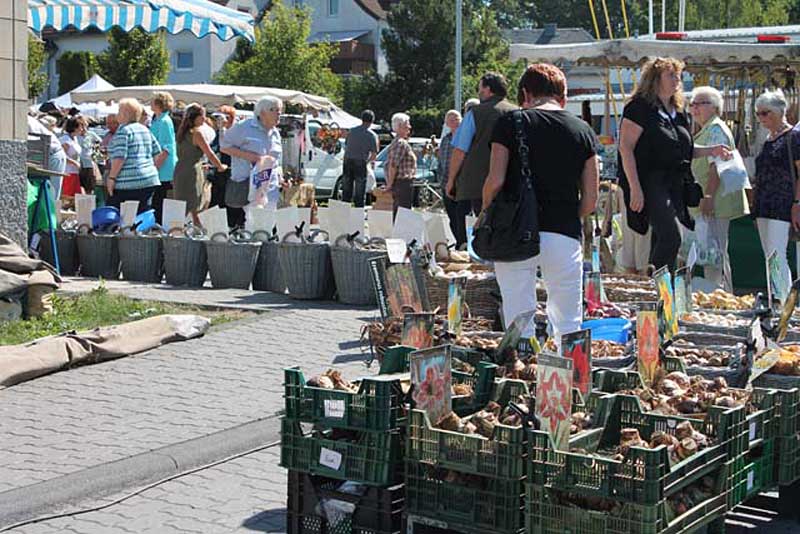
x=74 y=68
x=282 y=57
x=577 y=14
x=708 y=14
x=134 y=58
x=37 y=80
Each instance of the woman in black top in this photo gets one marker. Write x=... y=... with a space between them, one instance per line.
x=563 y=162
x=655 y=152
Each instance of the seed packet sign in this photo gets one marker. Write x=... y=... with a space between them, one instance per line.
x=431 y=381
x=577 y=346
x=593 y=288
x=455 y=304
x=683 y=292
x=777 y=284
x=554 y=398
x=648 y=342
x=786 y=313
x=663 y=281
x=396 y=288
x=417 y=330
x=514 y=332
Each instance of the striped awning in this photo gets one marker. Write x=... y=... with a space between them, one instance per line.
x=201 y=17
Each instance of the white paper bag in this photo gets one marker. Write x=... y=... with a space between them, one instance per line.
x=435 y=228
x=409 y=226
x=174 y=214
x=324 y=219
x=214 y=221
x=128 y=211
x=259 y=220
x=379 y=223
x=305 y=216
x=84 y=206
x=356 y=221
x=287 y=219
x=339 y=217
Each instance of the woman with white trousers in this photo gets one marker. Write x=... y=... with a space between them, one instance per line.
x=776 y=195
x=564 y=166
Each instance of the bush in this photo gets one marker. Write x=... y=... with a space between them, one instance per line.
x=426 y=121
x=74 y=68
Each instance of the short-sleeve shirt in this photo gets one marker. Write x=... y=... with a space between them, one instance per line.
x=73 y=150
x=251 y=136
x=89 y=144
x=559 y=144
x=401 y=157
x=774 y=183
x=662 y=150
x=445 y=152
x=164 y=131
x=136 y=145
x=361 y=141
x=462 y=139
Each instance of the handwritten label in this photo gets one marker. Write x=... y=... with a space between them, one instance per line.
x=396 y=248
x=751 y=476
x=752 y=431
x=330 y=459
x=334 y=409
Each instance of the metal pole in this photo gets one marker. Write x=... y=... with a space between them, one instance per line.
x=681 y=15
x=650 y=17
x=663 y=15
x=458 y=55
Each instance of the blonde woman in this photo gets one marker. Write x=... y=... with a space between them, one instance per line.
x=133 y=174
x=716 y=209
x=656 y=150
x=164 y=131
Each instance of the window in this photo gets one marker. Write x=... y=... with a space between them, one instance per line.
x=333 y=8
x=184 y=60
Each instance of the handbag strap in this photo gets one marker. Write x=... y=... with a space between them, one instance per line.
x=522 y=149
x=792 y=168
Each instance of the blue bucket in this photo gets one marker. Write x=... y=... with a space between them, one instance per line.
x=145 y=221
x=103 y=219
x=613 y=329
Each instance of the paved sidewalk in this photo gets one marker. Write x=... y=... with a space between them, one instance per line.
x=73 y=420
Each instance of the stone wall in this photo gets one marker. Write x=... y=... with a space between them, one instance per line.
x=13 y=123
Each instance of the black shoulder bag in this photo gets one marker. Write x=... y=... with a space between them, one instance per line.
x=508 y=230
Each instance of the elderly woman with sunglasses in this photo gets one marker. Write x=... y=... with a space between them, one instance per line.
x=716 y=209
x=776 y=196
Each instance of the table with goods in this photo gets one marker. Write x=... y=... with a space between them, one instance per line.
x=486 y=445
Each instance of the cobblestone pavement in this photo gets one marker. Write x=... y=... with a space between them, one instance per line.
x=91 y=415
x=244 y=495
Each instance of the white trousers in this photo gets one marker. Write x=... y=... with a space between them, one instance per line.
x=720 y=274
x=562 y=271
x=774 y=235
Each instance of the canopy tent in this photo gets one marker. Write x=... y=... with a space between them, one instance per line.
x=201 y=17
x=206 y=95
x=634 y=52
x=96 y=110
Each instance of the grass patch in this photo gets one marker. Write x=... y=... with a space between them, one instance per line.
x=99 y=307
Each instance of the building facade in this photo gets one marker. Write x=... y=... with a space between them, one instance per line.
x=13 y=121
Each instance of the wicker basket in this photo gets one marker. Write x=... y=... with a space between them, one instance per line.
x=231 y=263
x=66 y=241
x=268 y=275
x=185 y=259
x=480 y=295
x=351 y=270
x=142 y=257
x=99 y=255
x=307 y=267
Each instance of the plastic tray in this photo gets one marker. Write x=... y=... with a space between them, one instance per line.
x=371 y=458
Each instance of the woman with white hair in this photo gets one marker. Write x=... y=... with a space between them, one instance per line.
x=717 y=210
x=776 y=196
x=246 y=143
x=401 y=163
x=133 y=174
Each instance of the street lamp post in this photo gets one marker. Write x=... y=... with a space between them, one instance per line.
x=458 y=56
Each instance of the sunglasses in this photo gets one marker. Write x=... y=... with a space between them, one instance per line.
x=694 y=104
x=762 y=113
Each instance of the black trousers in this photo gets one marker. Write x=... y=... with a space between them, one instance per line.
x=403 y=194
x=354 y=181
x=456 y=213
x=143 y=196
x=158 y=199
x=661 y=201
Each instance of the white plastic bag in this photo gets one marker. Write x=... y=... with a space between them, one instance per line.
x=265 y=180
x=706 y=245
x=732 y=173
x=371 y=183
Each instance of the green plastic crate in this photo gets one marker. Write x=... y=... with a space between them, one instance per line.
x=751 y=474
x=762 y=423
x=787 y=407
x=545 y=515
x=378 y=406
x=483 y=504
x=481 y=382
x=371 y=458
x=787 y=460
x=646 y=476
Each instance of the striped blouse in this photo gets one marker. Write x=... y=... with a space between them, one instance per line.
x=136 y=145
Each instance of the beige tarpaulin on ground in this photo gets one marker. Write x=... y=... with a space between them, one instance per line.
x=19 y=363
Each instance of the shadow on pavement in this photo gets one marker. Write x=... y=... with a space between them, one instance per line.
x=267 y=521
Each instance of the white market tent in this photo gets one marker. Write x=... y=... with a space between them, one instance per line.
x=634 y=52
x=217 y=95
x=96 y=110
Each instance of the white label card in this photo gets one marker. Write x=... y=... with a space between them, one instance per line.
x=128 y=211
x=751 y=477
x=752 y=431
x=396 y=248
x=334 y=409
x=330 y=459
x=174 y=212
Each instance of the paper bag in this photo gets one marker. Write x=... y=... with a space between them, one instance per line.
x=259 y=220
x=174 y=214
x=410 y=226
x=214 y=221
x=84 y=206
x=379 y=223
x=287 y=219
x=128 y=212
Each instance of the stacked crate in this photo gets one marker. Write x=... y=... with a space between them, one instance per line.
x=344 y=449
